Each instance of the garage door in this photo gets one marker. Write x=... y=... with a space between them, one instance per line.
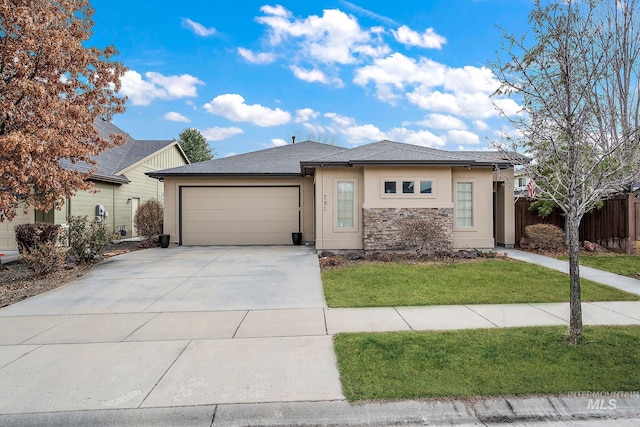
x=239 y=215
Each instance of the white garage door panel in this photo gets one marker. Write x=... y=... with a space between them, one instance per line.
x=239 y=215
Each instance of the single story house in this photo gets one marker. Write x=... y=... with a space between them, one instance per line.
x=120 y=182
x=339 y=198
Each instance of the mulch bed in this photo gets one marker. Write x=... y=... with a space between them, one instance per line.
x=18 y=283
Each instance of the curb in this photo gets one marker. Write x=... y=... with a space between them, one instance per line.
x=470 y=411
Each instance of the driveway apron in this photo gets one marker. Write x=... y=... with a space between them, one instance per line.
x=173 y=327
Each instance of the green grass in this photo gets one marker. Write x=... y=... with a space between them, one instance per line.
x=626 y=265
x=487 y=362
x=491 y=281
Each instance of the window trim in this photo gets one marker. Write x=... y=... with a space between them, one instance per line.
x=400 y=180
x=356 y=218
x=474 y=205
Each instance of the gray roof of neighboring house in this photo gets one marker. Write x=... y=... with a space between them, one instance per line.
x=284 y=160
x=292 y=159
x=111 y=162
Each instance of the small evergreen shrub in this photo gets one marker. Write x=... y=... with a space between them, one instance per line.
x=44 y=258
x=148 y=218
x=30 y=236
x=86 y=238
x=545 y=237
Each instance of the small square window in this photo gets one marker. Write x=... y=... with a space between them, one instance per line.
x=389 y=187
x=407 y=187
x=426 y=187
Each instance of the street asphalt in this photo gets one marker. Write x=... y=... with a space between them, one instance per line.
x=243 y=336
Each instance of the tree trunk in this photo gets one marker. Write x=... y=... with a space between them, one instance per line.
x=575 y=304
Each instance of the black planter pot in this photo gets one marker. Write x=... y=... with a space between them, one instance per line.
x=297 y=238
x=164 y=240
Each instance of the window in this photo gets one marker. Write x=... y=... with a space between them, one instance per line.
x=522 y=182
x=407 y=187
x=345 y=204
x=426 y=187
x=464 y=204
x=389 y=187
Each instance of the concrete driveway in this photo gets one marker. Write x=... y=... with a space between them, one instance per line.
x=173 y=327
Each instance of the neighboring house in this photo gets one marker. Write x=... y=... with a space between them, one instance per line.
x=338 y=198
x=521 y=182
x=120 y=182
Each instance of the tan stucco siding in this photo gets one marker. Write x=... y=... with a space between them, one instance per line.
x=7 y=233
x=480 y=234
x=172 y=202
x=505 y=214
x=328 y=235
x=374 y=196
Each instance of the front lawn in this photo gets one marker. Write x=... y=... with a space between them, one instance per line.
x=626 y=265
x=487 y=362
x=486 y=281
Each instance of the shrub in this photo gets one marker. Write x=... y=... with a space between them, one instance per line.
x=331 y=261
x=148 y=218
x=545 y=237
x=426 y=237
x=86 y=239
x=30 y=236
x=44 y=258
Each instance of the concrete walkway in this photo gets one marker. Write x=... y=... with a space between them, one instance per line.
x=164 y=335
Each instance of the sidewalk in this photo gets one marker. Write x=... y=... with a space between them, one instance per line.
x=624 y=283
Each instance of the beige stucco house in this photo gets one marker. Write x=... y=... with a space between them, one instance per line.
x=338 y=198
x=121 y=183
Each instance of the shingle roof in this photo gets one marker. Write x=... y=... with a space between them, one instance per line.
x=111 y=162
x=284 y=160
x=390 y=152
x=293 y=158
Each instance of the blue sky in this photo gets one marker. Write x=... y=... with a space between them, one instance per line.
x=250 y=74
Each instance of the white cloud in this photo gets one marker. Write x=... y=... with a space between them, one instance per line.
x=220 y=133
x=362 y=133
x=278 y=142
x=470 y=79
x=257 y=58
x=234 y=108
x=157 y=86
x=275 y=10
x=480 y=125
x=508 y=106
x=172 y=116
x=334 y=37
x=462 y=137
x=305 y=114
x=199 y=29
x=369 y=14
x=392 y=74
x=340 y=120
x=440 y=121
x=423 y=138
x=429 y=39
x=309 y=75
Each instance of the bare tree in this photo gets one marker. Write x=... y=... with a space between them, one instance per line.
x=576 y=74
x=52 y=88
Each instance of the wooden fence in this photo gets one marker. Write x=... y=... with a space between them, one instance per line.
x=615 y=226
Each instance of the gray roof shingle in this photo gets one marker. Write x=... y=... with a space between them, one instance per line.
x=293 y=158
x=284 y=160
x=111 y=162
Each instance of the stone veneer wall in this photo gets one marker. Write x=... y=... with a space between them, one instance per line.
x=383 y=227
